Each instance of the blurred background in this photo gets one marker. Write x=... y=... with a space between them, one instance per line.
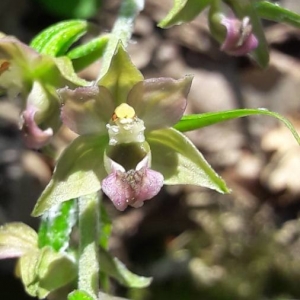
x=196 y=243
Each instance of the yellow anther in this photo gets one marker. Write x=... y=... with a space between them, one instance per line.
x=124 y=111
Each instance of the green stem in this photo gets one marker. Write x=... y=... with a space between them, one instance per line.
x=88 y=264
x=121 y=31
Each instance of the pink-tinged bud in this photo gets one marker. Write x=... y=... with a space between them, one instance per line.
x=131 y=187
x=34 y=137
x=239 y=37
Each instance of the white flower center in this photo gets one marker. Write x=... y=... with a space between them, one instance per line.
x=125 y=127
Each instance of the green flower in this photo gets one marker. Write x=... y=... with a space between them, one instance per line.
x=126 y=145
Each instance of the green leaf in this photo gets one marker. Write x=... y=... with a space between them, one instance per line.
x=121 y=76
x=274 y=12
x=72 y=8
x=79 y=295
x=192 y=122
x=56 y=39
x=55 y=269
x=179 y=161
x=17 y=239
x=243 y=8
x=84 y=55
x=116 y=269
x=56 y=226
x=45 y=271
x=183 y=11
x=79 y=172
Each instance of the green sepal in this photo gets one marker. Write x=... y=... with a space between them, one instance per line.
x=180 y=162
x=56 y=226
x=183 y=11
x=243 y=8
x=274 y=12
x=80 y=295
x=116 y=269
x=84 y=55
x=192 y=122
x=121 y=76
x=78 y=172
x=17 y=239
x=45 y=271
x=56 y=39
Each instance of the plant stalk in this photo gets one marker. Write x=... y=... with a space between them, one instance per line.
x=88 y=263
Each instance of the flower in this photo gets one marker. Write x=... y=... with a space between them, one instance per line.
x=239 y=37
x=34 y=77
x=126 y=145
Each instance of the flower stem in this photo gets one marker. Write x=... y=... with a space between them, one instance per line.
x=88 y=264
x=122 y=30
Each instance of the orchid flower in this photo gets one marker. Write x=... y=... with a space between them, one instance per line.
x=126 y=145
x=34 y=77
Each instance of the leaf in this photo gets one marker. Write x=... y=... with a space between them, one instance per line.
x=72 y=8
x=179 y=161
x=80 y=295
x=84 y=55
x=56 y=226
x=121 y=76
x=116 y=269
x=56 y=39
x=243 y=8
x=45 y=271
x=192 y=122
x=183 y=11
x=274 y=12
x=79 y=172
x=17 y=239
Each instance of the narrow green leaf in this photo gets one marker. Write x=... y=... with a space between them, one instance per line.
x=192 y=122
x=274 y=12
x=79 y=295
x=17 y=239
x=56 y=226
x=121 y=76
x=56 y=39
x=79 y=172
x=116 y=269
x=243 y=8
x=183 y=11
x=84 y=55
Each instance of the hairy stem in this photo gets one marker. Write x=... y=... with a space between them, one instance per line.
x=122 y=30
x=88 y=264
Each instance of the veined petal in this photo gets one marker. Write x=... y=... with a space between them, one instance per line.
x=131 y=187
x=86 y=110
x=160 y=102
x=175 y=156
x=78 y=172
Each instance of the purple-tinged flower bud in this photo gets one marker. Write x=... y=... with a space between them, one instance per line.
x=239 y=38
x=131 y=187
x=34 y=137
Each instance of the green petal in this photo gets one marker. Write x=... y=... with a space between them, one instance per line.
x=121 y=76
x=80 y=295
x=17 y=239
x=79 y=172
x=86 y=110
x=175 y=156
x=160 y=102
x=183 y=11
